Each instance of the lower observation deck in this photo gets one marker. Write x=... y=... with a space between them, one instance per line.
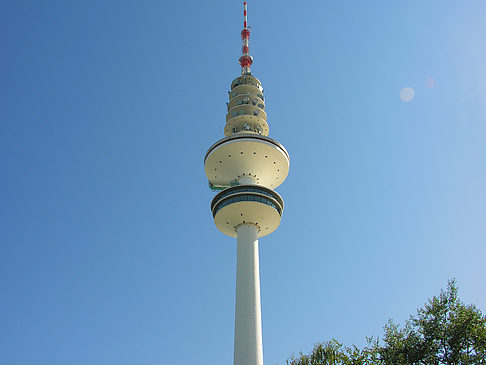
x=247 y=204
x=247 y=154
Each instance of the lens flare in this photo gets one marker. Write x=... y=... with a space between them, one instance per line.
x=407 y=94
x=429 y=82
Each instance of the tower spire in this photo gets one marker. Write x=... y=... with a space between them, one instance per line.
x=245 y=60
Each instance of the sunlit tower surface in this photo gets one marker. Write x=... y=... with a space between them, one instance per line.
x=245 y=166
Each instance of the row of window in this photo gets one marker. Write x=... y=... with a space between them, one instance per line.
x=248 y=128
x=245 y=189
x=246 y=82
x=246 y=198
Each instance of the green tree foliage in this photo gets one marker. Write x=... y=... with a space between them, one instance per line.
x=444 y=331
x=334 y=353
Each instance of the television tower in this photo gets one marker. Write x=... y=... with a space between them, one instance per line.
x=245 y=166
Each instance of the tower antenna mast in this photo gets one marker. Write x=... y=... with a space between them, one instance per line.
x=245 y=60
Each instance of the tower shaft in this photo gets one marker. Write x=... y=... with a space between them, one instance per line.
x=248 y=322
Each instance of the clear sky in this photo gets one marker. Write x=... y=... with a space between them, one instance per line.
x=108 y=251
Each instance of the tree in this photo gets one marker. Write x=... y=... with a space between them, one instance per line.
x=444 y=331
x=334 y=353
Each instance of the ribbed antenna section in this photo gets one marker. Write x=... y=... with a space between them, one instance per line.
x=245 y=60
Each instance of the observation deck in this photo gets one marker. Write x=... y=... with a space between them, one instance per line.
x=251 y=204
x=245 y=154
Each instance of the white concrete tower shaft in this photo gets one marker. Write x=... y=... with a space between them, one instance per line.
x=248 y=348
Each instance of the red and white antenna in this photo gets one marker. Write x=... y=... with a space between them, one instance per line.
x=245 y=60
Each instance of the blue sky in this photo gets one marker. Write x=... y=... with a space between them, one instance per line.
x=108 y=252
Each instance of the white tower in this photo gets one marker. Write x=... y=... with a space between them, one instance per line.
x=246 y=165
